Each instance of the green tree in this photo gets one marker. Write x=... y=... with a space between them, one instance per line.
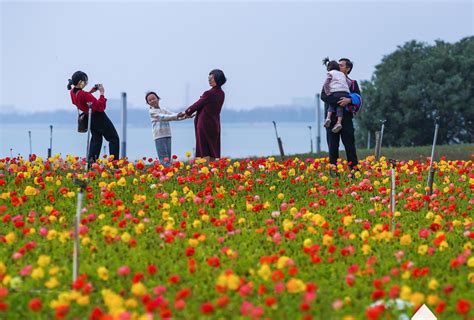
x=416 y=84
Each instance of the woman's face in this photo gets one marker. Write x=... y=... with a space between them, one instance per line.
x=212 y=81
x=153 y=101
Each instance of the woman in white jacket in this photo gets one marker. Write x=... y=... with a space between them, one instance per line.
x=160 y=118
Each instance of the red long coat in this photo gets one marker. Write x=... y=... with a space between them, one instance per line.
x=207 y=123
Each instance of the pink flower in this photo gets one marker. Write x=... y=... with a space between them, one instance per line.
x=17 y=256
x=275 y=214
x=337 y=304
x=26 y=270
x=159 y=290
x=279 y=287
x=309 y=296
x=123 y=270
x=246 y=308
x=424 y=233
x=43 y=231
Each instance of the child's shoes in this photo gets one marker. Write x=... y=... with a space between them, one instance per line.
x=337 y=128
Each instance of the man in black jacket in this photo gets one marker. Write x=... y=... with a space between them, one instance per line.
x=347 y=132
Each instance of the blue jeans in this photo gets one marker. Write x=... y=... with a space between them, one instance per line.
x=163 y=148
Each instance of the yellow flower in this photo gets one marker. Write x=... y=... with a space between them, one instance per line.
x=193 y=243
x=282 y=262
x=113 y=301
x=366 y=249
x=417 y=298
x=433 y=284
x=470 y=277
x=347 y=220
x=405 y=293
x=53 y=271
x=131 y=303
x=470 y=262
x=31 y=191
x=188 y=154
x=3 y=268
x=281 y=196
x=327 y=240
x=126 y=237
x=83 y=300
x=10 y=237
x=405 y=240
x=37 y=273
x=295 y=285
x=264 y=272
x=432 y=299
x=52 y=283
x=122 y=182
x=103 y=273
x=307 y=243
x=232 y=282
x=138 y=289
x=422 y=249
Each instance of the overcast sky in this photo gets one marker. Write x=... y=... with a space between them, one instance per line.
x=270 y=51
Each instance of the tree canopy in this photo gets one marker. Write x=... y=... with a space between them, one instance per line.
x=413 y=86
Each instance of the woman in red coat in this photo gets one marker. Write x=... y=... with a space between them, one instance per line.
x=101 y=126
x=207 y=123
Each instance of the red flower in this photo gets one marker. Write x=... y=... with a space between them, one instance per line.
x=270 y=301
x=35 y=305
x=152 y=269
x=190 y=251
x=374 y=313
x=222 y=301
x=304 y=306
x=61 y=311
x=213 y=262
x=137 y=277
x=440 y=307
x=463 y=306
x=174 y=279
x=378 y=294
x=96 y=314
x=207 y=308
x=3 y=306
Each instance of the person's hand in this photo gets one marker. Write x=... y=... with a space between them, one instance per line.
x=344 y=101
x=101 y=89
x=181 y=115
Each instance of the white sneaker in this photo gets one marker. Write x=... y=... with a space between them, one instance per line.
x=337 y=128
x=327 y=123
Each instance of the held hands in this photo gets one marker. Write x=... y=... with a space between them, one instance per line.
x=183 y=115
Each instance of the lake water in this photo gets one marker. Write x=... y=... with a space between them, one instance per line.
x=238 y=140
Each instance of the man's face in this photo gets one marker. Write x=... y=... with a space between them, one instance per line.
x=343 y=67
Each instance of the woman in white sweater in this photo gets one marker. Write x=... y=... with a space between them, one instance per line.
x=160 y=118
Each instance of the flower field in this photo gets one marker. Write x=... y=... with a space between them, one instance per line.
x=256 y=239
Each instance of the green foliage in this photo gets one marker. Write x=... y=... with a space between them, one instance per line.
x=414 y=85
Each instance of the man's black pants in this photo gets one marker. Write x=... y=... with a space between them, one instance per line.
x=346 y=135
x=102 y=127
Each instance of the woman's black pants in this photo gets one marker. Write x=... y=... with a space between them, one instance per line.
x=102 y=127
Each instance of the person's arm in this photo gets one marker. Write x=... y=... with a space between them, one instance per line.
x=98 y=105
x=326 y=88
x=161 y=115
x=198 y=105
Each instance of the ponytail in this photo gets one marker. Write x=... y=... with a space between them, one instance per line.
x=325 y=61
x=69 y=84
